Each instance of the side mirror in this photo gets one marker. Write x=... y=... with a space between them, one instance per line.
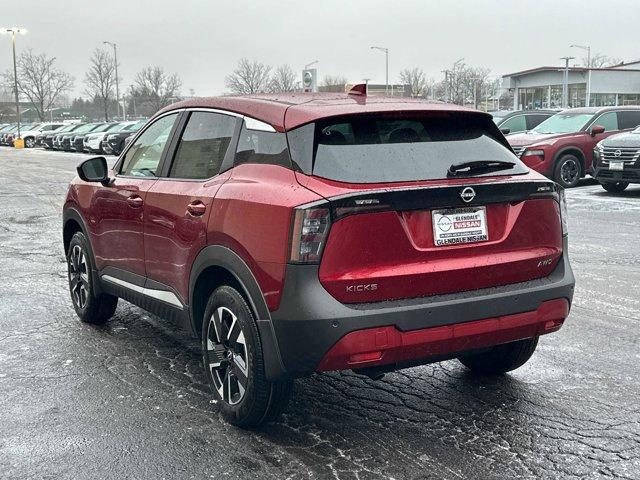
x=505 y=131
x=597 y=130
x=94 y=170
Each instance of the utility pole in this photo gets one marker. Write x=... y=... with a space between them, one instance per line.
x=115 y=60
x=565 y=82
x=386 y=59
x=12 y=31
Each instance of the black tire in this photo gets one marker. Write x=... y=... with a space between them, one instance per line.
x=501 y=358
x=89 y=307
x=29 y=142
x=568 y=171
x=615 y=187
x=233 y=360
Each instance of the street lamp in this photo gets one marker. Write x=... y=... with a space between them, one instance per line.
x=115 y=60
x=306 y=67
x=386 y=56
x=588 y=49
x=12 y=31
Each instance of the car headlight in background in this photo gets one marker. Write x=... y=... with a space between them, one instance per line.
x=533 y=152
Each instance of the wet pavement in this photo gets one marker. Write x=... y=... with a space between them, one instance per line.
x=128 y=399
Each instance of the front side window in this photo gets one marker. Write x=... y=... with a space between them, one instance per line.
x=203 y=145
x=388 y=148
x=143 y=157
x=514 y=124
x=608 y=120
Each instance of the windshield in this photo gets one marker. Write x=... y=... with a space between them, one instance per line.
x=135 y=127
x=564 y=123
x=68 y=128
x=103 y=128
x=85 y=128
x=368 y=149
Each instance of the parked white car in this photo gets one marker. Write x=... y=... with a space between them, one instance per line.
x=30 y=136
x=92 y=141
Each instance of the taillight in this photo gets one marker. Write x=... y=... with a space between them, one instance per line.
x=309 y=233
x=562 y=199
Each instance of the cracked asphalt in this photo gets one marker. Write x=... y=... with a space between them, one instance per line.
x=129 y=400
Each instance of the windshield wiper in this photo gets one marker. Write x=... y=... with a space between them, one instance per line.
x=466 y=168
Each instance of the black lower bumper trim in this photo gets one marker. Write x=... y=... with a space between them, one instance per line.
x=310 y=321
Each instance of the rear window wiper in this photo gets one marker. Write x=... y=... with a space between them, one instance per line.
x=467 y=168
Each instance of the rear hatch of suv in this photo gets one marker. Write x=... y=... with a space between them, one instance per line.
x=423 y=204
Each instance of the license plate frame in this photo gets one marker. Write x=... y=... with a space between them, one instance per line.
x=459 y=226
x=616 y=166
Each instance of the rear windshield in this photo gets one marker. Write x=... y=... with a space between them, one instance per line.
x=378 y=149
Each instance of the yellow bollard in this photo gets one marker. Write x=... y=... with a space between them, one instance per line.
x=18 y=143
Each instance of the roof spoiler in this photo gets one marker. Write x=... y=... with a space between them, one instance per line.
x=357 y=89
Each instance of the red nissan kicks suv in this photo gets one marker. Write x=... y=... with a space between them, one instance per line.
x=300 y=233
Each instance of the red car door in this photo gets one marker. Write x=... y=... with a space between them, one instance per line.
x=120 y=208
x=177 y=207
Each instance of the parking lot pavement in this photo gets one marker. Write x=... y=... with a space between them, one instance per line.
x=128 y=400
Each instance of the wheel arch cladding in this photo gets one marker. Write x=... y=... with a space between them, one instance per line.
x=72 y=223
x=570 y=150
x=215 y=266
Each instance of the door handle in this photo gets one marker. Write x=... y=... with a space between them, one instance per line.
x=135 y=201
x=196 y=208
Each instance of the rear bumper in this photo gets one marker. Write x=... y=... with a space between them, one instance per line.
x=310 y=323
x=630 y=174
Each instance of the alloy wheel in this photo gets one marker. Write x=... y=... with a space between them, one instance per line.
x=569 y=171
x=227 y=355
x=78 y=277
x=29 y=142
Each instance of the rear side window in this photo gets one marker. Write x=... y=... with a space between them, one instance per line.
x=203 y=145
x=379 y=149
x=629 y=119
x=258 y=146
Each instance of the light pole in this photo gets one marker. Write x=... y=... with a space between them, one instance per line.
x=565 y=82
x=133 y=99
x=386 y=59
x=446 y=85
x=115 y=60
x=588 y=49
x=306 y=67
x=12 y=31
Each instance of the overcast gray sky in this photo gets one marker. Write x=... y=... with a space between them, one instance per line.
x=203 y=40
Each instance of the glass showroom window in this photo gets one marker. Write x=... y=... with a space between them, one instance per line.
x=628 y=99
x=603 y=100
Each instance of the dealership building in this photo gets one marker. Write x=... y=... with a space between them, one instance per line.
x=542 y=87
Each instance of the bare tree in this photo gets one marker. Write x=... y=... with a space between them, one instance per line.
x=40 y=81
x=333 y=81
x=600 y=60
x=464 y=84
x=101 y=79
x=157 y=88
x=249 y=77
x=283 y=80
x=416 y=78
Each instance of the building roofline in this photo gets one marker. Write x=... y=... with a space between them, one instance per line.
x=573 y=69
